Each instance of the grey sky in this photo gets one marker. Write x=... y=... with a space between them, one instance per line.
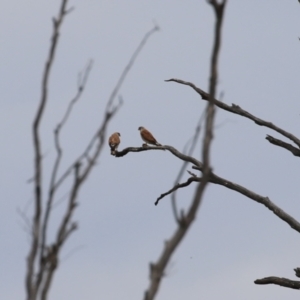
x=234 y=240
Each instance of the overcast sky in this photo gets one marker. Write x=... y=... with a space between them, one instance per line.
x=234 y=240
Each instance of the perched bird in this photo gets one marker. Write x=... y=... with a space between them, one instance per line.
x=147 y=137
x=114 y=142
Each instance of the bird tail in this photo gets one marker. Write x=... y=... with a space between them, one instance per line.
x=158 y=144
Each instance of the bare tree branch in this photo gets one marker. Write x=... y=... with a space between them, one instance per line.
x=164 y=147
x=284 y=145
x=30 y=287
x=235 y=109
x=258 y=198
x=279 y=281
x=129 y=66
x=176 y=187
x=81 y=86
x=40 y=271
x=157 y=269
x=110 y=109
x=213 y=178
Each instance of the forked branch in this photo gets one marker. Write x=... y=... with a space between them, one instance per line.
x=43 y=257
x=31 y=287
x=157 y=269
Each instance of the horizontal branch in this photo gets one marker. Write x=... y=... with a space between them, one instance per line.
x=284 y=145
x=235 y=109
x=221 y=181
x=279 y=281
x=165 y=147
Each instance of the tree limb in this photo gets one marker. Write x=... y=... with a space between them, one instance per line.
x=235 y=109
x=176 y=187
x=164 y=147
x=30 y=287
x=279 y=281
x=157 y=269
x=284 y=145
x=222 y=181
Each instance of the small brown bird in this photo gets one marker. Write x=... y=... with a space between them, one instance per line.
x=147 y=137
x=113 y=142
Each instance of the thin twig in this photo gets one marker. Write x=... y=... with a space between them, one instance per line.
x=295 y=151
x=110 y=108
x=129 y=66
x=176 y=187
x=81 y=86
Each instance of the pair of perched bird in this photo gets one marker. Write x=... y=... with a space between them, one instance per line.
x=146 y=135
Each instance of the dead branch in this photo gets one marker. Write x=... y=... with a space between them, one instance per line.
x=40 y=271
x=279 y=281
x=129 y=66
x=164 y=147
x=157 y=270
x=213 y=178
x=176 y=187
x=59 y=152
x=235 y=109
x=31 y=259
x=284 y=145
x=110 y=108
x=258 y=198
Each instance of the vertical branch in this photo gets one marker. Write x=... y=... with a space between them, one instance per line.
x=31 y=290
x=157 y=270
x=210 y=109
x=59 y=152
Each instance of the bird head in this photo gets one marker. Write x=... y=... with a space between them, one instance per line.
x=118 y=133
x=141 y=128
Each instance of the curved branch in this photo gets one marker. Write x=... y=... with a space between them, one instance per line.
x=59 y=152
x=284 y=145
x=293 y=284
x=164 y=147
x=256 y=197
x=178 y=186
x=129 y=66
x=235 y=109
x=224 y=182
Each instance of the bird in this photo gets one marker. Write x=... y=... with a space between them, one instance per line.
x=113 y=142
x=147 y=136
